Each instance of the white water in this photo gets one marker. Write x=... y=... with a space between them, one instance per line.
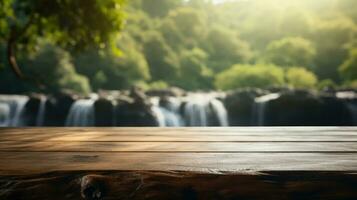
x=81 y=113
x=195 y=111
x=41 y=111
x=197 y=108
x=259 y=107
x=12 y=108
x=167 y=116
x=220 y=111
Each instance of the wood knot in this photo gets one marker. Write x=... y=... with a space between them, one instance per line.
x=93 y=187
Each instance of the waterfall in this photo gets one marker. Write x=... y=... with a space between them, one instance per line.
x=81 y=113
x=12 y=108
x=220 y=111
x=167 y=116
x=41 y=111
x=197 y=109
x=259 y=107
x=4 y=115
x=202 y=109
x=159 y=116
x=171 y=111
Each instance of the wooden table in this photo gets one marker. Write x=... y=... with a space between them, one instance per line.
x=179 y=163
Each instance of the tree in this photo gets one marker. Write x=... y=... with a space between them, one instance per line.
x=109 y=71
x=194 y=73
x=291 y=51
x=239 y=76
x=69 y=24
x=348 y=7
x=159 y=8
x=348 y=69
x=300 y=77
x=163 y=62
x=225 y=49
x=331 y=38
x=61 y=74
x=183 y=27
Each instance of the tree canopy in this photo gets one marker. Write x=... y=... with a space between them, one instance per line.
x=192 y=44
x=68 y=24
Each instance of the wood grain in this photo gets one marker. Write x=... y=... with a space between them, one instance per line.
x=153 y=185
x=179 y=163
x=236 y=149
x=194 y=147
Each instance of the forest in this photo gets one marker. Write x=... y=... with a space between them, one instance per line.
x=196 y=45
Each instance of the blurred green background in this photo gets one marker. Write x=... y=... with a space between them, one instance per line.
x=87 y=45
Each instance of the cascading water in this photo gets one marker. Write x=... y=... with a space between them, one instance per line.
x=220 y=111
x=81 y=113
x=167 y=116
x=11 y=110
x=195 y=112
x=197 y=109
x=4 y=114
x=259 y=107
x=41 y=111
x=191 y=110
x=171 y=112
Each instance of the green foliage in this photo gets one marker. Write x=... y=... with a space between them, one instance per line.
x=225 y=48
x=326 y=84
x=239 y=76
x=108 y=71
x=187 y=43
x=350 y=84
x=348 y=69
x=331 y=38
x=159 y=8
x=291 y=51
x=162 y=60
x=183 y=27
x=66 y=23
x=158 y=85
x=300 y=77
x=348 y=7
x=194 y=73
x=60 y=75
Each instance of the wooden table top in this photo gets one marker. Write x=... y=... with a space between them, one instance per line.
x=208 y=150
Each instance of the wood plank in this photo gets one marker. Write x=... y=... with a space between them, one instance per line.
x=269 y=147
x=251 y=131
x=297 y=134
x=31 y=162
x=179 y=163
x=138 y=185
x=179 y=138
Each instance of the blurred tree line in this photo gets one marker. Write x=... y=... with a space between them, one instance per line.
x=193 y=44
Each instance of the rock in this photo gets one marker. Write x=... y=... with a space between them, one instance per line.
x=239 y=105
x=32 y=109
x=57 y=108
x=306 y=108
x=135 y=110
x=104 y=112
x=349 y=98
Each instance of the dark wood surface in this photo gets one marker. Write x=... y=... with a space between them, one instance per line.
x=179 y=163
